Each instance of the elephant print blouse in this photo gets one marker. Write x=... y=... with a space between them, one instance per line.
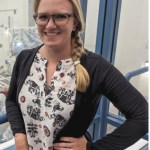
x=45 y=112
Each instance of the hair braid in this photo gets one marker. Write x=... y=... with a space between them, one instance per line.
x=82 y=77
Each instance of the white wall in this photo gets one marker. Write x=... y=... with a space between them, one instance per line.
x=133 y=35
x=20 y=18
x=132 y=44
x=91 y=24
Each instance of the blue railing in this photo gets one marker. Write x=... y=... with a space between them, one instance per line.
x=3 y=118
x=137 y=72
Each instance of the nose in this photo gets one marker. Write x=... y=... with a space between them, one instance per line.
x=50 y=23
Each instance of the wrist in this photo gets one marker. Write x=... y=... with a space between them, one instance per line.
x=21 y=140
x=19 y=136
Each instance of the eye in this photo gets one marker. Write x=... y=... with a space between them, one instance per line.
x=60 y=16
x=42 y=17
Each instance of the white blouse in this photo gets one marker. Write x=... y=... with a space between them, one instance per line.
x=45 y=113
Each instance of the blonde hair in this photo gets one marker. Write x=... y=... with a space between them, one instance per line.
x=82 y=76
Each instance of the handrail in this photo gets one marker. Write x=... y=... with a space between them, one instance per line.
x=134 y=73
x=3 y=119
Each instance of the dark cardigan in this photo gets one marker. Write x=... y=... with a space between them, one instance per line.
x=106 y=80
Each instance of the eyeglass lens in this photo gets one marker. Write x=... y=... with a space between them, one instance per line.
x=60 y=19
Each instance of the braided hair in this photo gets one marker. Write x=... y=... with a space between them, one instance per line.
x=82 y=75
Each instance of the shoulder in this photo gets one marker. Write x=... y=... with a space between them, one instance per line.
x=92 y=57
x=25 y=58
x=98 y=69
x=27 y=54
x=92 y=61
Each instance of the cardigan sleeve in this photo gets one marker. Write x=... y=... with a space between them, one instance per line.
x=12 y=107
x=129 y=101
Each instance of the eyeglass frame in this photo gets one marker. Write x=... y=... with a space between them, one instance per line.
x=52 y=17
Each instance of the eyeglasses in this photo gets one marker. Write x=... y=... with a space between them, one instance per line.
x=60 y=19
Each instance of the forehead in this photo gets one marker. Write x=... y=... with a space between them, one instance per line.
x=53 y=6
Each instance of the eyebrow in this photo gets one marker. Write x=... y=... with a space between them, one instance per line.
x=54 y=13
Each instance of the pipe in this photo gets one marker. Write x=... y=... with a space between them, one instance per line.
x=14 y=10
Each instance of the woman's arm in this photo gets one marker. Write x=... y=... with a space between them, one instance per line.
x=12 y=107
x=130 y=102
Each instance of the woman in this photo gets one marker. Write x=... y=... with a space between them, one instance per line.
x=55 y=88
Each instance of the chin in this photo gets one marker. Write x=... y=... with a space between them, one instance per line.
x=51 y=45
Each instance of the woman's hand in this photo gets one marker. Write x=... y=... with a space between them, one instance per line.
x=21 y=142
x=70 y=143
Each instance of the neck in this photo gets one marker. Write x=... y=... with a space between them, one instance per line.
x=54 y=55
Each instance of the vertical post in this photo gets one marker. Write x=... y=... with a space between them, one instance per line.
x=101 y=26
x=84 y=9
x=108 y=22
x=118 y=11
x=31 y=12
x=104 y=109
x=107 y=31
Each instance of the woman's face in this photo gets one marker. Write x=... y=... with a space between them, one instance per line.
x=56 y=35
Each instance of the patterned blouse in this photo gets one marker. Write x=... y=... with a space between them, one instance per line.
x=45 y=112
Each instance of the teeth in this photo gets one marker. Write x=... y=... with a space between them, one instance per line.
x=50 y=33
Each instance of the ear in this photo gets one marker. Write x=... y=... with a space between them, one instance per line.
x=75 y=24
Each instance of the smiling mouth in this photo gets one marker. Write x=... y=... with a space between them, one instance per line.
x=51 y=33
